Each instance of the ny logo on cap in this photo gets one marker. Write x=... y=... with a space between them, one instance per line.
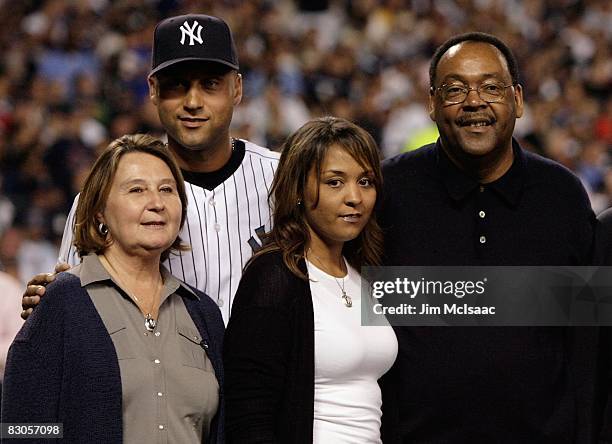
x=190 y=31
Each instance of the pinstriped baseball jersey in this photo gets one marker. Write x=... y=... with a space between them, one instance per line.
x=222 y=227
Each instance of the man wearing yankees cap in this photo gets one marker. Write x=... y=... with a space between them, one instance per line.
x=195 y=84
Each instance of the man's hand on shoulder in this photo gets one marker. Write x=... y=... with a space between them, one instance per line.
x=36 y=289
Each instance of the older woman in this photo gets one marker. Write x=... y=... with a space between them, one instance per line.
x=120 y=350
x=300 y=368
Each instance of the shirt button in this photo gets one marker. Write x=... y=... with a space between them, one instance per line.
x=482 y=214
x=483 y=239
x=160 y=394
x=212 y=202
x=157 y=361
x=157 y=333
x=217 y=227
x=161 y=427
x=220 y=302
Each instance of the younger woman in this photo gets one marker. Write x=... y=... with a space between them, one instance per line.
x=299 y=366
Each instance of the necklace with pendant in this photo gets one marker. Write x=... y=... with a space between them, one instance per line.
x=149 y=322
x=346 y=299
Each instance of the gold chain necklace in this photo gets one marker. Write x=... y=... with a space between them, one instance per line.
x=346 y=299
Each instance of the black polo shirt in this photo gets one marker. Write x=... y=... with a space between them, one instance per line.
x=503 y=385
x=603 y=245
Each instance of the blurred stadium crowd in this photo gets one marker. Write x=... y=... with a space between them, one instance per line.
x=73 y=77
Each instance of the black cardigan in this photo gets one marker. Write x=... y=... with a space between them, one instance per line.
x=62 y=366
x=269 y=356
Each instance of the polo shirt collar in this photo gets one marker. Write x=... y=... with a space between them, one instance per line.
x=459 y=185
x=93 y=271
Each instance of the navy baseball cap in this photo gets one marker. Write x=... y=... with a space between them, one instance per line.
x=192 y=37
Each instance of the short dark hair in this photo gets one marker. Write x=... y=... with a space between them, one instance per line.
x=474 y=37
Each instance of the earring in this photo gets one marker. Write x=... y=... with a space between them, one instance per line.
x=299 y=202
x=102 y=229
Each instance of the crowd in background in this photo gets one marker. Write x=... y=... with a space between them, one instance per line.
x=73 y=77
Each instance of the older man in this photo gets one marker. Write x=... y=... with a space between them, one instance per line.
x=475 y=197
